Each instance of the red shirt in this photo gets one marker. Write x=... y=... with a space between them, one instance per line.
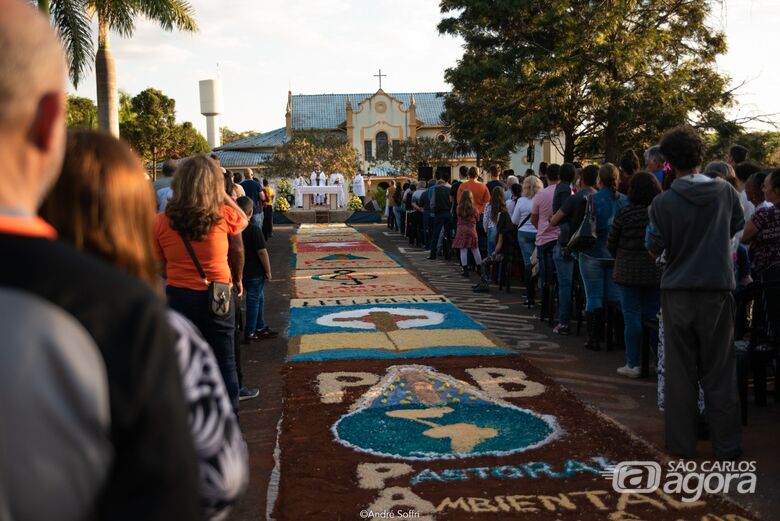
x=212 y=252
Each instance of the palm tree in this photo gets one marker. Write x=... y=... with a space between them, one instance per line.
x=71 y=18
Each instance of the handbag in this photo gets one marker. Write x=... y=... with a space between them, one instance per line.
x=585 y=236
x=220 y=293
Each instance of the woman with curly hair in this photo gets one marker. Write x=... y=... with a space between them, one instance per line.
x=103 y=204
x=203 y=215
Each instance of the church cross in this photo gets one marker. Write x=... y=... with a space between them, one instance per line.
x=380 y=76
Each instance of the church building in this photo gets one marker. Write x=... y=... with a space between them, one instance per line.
x=374 y=124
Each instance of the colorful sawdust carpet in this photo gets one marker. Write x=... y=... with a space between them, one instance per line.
x=389 y=413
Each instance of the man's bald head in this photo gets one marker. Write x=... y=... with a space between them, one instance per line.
x=32 y=61
x=32 y=105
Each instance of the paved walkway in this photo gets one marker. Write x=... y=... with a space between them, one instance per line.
x=589 y=375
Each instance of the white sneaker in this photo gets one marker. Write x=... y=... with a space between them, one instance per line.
x=629 y=372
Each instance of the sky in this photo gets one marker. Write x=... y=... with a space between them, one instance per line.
x=260 y=49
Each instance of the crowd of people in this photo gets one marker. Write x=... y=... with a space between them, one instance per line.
x=664 y=243
x=125 y=304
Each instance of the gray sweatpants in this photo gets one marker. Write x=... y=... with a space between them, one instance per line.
x=699 y=331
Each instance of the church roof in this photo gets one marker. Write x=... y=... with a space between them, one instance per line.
x=234 y=158
x=328 y=111
x=266 y=140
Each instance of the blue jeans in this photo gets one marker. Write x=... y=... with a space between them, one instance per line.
x=397 y=212
x=255 y=300
x=544 y=256
x=492 y=238
x=597 y=280
x=639 y=303
x=219 y=332
x=565 y=269
x=527 y=242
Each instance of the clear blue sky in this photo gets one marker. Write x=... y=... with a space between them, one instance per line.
x=265 y=47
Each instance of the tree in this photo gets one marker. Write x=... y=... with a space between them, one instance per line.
x=422 y=151
x=82 y=113
x=305 y=149
x=126 y=113
x=71 y=18
x=764 y=146
x=186 y=141
x=229 y=136
x=149 y=125
x=608 y=75
x=150 y=132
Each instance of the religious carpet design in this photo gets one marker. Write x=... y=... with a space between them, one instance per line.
x=398 y=405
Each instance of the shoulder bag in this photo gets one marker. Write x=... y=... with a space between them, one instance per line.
x=220 y=293
x=585 y=236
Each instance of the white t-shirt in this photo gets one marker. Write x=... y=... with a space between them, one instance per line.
x=522 y=210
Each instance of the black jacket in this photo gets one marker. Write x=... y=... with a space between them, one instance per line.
x=626 y=243
x=154 y=474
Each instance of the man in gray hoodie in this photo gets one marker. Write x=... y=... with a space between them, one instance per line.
x=693 y=223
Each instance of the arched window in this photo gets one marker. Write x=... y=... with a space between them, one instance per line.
x=381 y=146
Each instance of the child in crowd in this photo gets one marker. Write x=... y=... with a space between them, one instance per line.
x=466 y=232
x=257 y=270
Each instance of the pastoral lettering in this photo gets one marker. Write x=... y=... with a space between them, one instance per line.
x=532 y=470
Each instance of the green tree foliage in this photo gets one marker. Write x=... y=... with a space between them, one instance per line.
x=229 y=136
x=126 y=113
x=73 y=21
x=82 y=113
x=423 y=151
x=305 y=149
x=608 y=75
x=150 y=128
x=763 y=146
x=186 y=141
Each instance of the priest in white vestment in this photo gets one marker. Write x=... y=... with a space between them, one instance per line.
x=359 y=187
x=319 y=178
x=297 y=183
x=337 y=178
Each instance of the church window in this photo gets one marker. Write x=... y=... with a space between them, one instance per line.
x=381 y=146
x=396 y=149
x=367 y=152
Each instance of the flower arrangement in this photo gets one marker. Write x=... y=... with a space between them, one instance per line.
x=354 y=204
x=284 y=188
x=281 y=204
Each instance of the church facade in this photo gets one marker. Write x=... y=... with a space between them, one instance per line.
x=374 y=124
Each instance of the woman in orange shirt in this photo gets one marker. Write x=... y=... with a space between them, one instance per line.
x=202 y=213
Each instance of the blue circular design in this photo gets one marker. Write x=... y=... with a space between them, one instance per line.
x=372 y=430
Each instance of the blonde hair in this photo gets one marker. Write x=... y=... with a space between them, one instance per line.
x=466 y=205
x=103 y=203
x=198 y=193
x=531 y=186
